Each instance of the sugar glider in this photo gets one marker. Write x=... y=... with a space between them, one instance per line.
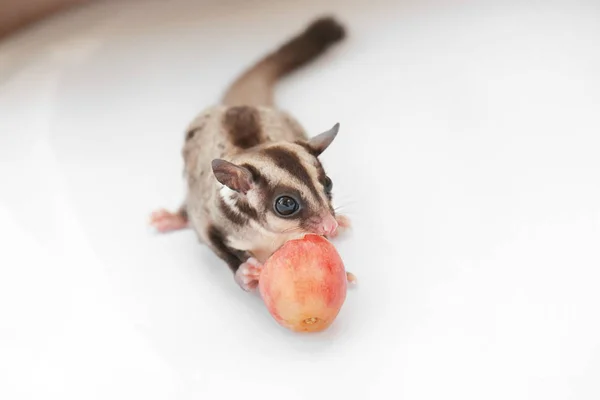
x=254 y=179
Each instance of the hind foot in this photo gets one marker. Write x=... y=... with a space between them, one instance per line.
x=165 y=221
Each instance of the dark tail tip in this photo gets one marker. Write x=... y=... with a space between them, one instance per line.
x=321 y=34
x=325 y=31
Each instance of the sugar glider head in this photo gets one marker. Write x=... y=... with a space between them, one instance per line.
x=280 y=186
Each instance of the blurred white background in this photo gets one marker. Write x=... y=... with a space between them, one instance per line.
x=467 y=158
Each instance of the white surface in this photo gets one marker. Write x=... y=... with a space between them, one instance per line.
x=468 y=159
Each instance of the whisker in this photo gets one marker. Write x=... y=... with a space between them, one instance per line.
x=288 y=230
x=340 y=208
x=293 y=228
x=346 y=203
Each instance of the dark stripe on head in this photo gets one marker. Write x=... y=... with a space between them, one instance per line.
x=232 y=257
x=321 y=174
x=307 y=147
x=246 y=209
x=243 y=127
x=230 y=214
x=256 y=176
x=291 y=163
x=321 y=177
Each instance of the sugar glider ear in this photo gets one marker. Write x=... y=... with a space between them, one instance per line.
x=319 y=143
x=233 y=176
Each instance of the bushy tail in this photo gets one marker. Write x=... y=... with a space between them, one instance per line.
x=255 y=86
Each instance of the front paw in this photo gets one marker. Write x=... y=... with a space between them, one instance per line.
x=344 y=224
x=248 y=274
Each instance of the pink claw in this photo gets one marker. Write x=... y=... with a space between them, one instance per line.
x=343 y=225
x=351 y=278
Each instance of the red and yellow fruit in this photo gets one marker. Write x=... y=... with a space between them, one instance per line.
x=303 y=284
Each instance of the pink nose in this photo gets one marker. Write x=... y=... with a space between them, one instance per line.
x=327 y=226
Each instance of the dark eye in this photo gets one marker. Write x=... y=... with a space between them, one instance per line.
x=286 y=206
x=328 y=184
